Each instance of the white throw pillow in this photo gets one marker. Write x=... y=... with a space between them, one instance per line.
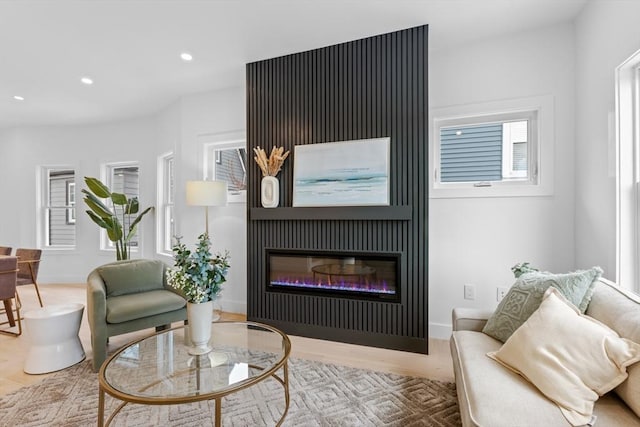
x=571 y=358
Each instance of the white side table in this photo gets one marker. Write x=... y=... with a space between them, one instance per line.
x=52 y=332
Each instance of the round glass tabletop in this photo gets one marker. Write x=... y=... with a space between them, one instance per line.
x=159 y=369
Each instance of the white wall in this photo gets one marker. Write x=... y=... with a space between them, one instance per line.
x=177 y=128
x=477 y=240
x=85 y=148
x=204 y=114
x=607 y=33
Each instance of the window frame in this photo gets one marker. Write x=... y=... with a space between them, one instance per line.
x=71 y=201
x=627 y=140
x=165 y=203
x=211 y=144
x=106 y=176
x=44 y=207
x=508 y=170
x=538 y=110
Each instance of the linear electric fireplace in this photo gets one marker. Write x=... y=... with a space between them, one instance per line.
x=371 y=276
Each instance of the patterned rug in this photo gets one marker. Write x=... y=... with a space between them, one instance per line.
x=321 y=395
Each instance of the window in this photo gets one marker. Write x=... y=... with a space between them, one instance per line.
x=166 y=193
x=71 y=201
x=493 y=149
x=226 y=160
x=121 y=178
x=628 y=172
x=57 y=226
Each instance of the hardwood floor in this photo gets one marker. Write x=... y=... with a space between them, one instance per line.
x=436 y=365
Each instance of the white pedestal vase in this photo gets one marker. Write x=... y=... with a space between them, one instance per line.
x=270 y=192
x=199 y=317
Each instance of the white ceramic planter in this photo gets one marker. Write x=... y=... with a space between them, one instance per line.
x=200 y=317
x=270 y=192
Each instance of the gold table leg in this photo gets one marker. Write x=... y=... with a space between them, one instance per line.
x=101 y=407
x=218 y=412
x=285 y=384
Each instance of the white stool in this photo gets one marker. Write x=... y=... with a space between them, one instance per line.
x=53 y=336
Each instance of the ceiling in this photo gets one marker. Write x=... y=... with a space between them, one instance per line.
x=131 y=48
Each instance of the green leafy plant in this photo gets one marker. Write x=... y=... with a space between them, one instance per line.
x=522 y=268
x=120 y=223
x=198 y=274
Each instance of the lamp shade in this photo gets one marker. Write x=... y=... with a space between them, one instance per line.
x=206 y=193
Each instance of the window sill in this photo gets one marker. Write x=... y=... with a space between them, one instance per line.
x=470 y=191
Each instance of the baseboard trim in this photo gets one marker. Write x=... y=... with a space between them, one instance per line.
x=393 y=342
x=439 y=331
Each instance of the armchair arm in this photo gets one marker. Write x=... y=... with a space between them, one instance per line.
x=469 y=319
x=96 y=300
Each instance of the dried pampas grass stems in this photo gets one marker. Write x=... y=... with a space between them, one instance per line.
x=271 y=165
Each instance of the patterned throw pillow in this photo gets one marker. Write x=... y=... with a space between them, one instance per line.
x=526 y=294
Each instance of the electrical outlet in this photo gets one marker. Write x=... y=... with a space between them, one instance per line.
x=469 y=291
x=501 y=293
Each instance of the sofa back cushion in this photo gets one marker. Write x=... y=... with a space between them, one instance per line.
x=620 y=310
x=132 y=276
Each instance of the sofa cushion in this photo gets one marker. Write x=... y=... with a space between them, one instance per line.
x=136 y=306
x=132 y=276
x=526 y=294
x=620 y=310
x=491 y=395
x=572 y=358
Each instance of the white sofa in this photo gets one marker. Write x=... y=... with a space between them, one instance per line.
x=489 y=395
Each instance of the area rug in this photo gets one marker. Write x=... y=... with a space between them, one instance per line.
x=321 y=395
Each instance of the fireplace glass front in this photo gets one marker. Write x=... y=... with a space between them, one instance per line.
x=353 y=275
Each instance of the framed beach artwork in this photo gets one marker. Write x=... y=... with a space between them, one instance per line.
x=345 y=173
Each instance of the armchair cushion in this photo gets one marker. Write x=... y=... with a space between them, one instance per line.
x=132 y=276
x=135 y=306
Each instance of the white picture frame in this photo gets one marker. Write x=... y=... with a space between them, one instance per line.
x=343 y=173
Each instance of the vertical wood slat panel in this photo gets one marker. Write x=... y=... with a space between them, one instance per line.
x=362 y=89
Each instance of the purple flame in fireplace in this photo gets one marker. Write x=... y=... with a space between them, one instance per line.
x=377 y=287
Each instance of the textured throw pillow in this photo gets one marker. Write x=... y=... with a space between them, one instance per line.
x=525 y=297
x=570 y=357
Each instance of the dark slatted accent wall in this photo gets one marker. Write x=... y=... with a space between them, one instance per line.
x=374 y=87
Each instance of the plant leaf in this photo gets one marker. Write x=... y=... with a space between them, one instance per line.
x=132 y=206
x=97 y=187
x=132 y=232
x=97 y=219
x=97 y=206
x=119 y=199
x=115 y=231
x=139 y=217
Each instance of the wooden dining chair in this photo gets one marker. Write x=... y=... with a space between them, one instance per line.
x=8 y=295
x=28 y=265
x=5 y=250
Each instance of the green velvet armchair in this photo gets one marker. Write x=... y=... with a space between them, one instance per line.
x=127 y=296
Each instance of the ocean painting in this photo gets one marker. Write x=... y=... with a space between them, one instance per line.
x=345 y=173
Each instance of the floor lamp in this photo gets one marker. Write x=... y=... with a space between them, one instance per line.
x=207 y=193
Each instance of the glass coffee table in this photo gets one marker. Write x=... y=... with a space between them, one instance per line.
x=158 y=370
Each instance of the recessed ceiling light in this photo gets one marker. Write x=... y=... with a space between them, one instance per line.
x=18 y=97
x=186 y=56
x=87 y=80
